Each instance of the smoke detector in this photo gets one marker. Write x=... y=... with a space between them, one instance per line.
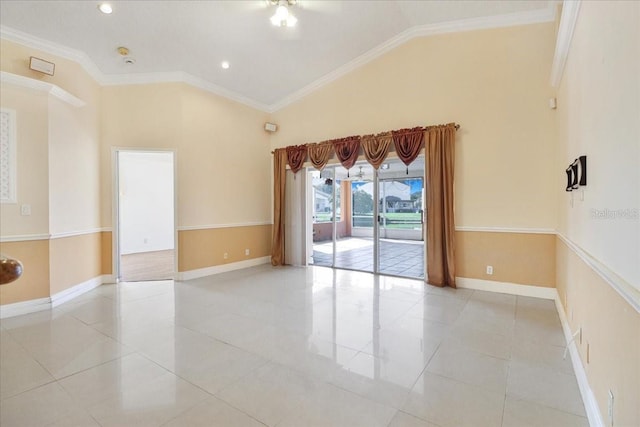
x=124 y=52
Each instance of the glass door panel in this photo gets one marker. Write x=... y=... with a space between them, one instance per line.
x=401 y=219
x=354 y=231
x=322 y=215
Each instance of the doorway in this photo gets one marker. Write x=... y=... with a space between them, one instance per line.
x=369 y=220
x=145 y=215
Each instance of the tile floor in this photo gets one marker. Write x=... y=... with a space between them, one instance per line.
x=397 y=257
x=288 y=347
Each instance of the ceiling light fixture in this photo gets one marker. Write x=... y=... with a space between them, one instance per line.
x=282 y=17
x=225 y=65
x=105 y=8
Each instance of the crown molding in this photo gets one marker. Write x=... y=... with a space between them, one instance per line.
x=123 y=79
x=52 y=48
x=568 y=20
x=181 y=77
x=499 y=21
x=26 y=82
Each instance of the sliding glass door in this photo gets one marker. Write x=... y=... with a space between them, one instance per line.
x=370 y=220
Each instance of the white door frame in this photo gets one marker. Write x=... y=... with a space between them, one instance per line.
x=115 y=205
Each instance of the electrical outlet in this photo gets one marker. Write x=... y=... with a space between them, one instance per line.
x=489 y=269
x=225 y=256
x=25 y=210
x=247 y=252
x=610 y=408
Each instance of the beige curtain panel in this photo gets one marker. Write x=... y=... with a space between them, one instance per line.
x=439 y=169
x=376 y=148
x=279 y=180
x=319 y=154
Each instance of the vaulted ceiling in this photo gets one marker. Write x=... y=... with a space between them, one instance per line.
x=269 y=66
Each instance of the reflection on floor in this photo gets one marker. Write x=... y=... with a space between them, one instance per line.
x=156 y=265
x=397 y=257
x=288 y=347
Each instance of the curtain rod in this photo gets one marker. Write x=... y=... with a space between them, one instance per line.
x=457 y=126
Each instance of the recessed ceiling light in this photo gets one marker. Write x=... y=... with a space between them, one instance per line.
x=105 y=8
x=225 y=65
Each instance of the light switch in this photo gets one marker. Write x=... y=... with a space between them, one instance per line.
x=25 y=210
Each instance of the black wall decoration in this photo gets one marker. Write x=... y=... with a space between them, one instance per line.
x=577 y=174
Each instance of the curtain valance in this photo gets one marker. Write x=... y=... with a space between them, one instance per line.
x=406 y=142
x=319 y=154
x=347 y=150
x=296 y=156
x=376 y=147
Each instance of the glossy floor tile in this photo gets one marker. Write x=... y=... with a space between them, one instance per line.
x=288 y=347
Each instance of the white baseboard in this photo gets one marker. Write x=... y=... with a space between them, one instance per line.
x=24 y=307
x=77 y=290
x=506 y=288
x=588 y=398
x=42 y=304
x=217 y=269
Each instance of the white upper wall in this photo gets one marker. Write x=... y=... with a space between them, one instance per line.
x=599 y=116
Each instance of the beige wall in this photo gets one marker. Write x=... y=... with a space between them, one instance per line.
x=137 y=116
x=106 y=244
x=206 y=248
x=222 y=150
x=522 y=258
x=69 y=75
x=611 y=329
x=32 y=172
x=34 y=282
x=74 y=167
x=223 y=162
x=74 y=260
x=495 y=83
x=58 y=175
x=223 y=165
x=598 y=116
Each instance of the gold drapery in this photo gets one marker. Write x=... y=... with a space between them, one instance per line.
x=439 y=172
x=279 y=180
